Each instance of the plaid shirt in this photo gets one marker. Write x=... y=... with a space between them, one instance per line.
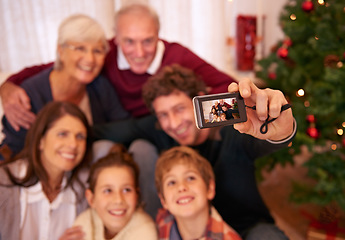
x=216 y=228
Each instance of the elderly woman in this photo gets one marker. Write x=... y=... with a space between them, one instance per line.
x=42 y=188
x=76 y=78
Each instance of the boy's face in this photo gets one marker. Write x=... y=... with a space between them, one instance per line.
x=175 y=114
x=114 y=198
x=185 y=194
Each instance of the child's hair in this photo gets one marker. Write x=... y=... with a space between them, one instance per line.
x=184 y=155
x=118 y=157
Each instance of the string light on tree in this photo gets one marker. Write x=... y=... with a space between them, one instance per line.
x=340 y=132
x=300 y=93
x=293 y=17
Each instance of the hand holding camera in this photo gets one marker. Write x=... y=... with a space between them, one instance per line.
x=262 y=113
x=269 y=104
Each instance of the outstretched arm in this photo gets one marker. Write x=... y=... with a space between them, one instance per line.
x=268 y=102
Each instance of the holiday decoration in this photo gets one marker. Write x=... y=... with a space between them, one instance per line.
x=313 y=132
x=282 y=52
x=320 y=228
x=245 y=42
x=308 y=6
x=311 y=118
x=310 y=71
x=287 y=42
x=272 y=75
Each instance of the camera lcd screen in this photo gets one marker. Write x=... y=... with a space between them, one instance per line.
x=219 y=110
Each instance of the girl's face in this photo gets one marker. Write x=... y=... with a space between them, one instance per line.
x=63 y=145
x=114 y=198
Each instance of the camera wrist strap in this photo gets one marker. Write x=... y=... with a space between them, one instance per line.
x=264 y=126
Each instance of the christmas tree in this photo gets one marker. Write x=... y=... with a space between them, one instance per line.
x=308 y=66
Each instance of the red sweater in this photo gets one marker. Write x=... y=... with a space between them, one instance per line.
x=128 y=85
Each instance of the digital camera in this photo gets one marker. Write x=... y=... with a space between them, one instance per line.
x=219 y=109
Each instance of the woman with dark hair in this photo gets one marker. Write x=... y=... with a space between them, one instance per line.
x=42 y=187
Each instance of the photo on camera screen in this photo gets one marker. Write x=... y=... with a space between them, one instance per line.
x=219 y=109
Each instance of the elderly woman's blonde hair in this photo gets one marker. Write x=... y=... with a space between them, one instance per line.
x=79 y=28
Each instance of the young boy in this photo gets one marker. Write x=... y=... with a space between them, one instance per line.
x=185 y=184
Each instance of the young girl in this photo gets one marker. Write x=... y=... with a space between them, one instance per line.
x=113 y=196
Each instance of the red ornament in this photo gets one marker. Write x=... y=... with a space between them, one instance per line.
x=282 y=52
x=308 y=6
x=313 y=132
x=287 y=42
x=310 y=118
x=272 y=76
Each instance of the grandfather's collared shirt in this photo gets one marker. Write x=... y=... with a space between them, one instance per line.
x=42 y=220
x=156 y=63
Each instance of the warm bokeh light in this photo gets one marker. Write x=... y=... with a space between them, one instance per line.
x=293 y=17
x=307 y=104
x=333 y=146
x=340 y=132
x=300 y=93
x=321 y=2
